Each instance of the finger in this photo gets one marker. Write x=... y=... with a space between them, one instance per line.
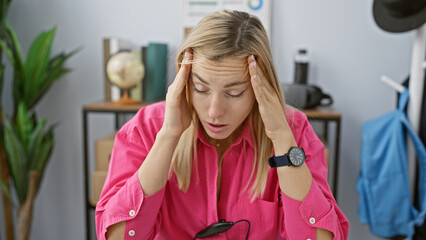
x=186 y=61
x=258 y=91
x=183 y=75
x=187 y=64
x=259 y=66
x=257 y=74
x=252 y=65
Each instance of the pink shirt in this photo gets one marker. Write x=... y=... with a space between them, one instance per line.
x=173 y=214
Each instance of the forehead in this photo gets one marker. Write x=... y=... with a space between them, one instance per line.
x=227 y=68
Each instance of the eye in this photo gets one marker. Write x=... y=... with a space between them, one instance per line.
x=198 y=88
x=235 y=94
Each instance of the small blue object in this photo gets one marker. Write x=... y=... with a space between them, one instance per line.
x=383 y=185
x=255 y=5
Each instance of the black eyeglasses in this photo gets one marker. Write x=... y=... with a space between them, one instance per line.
x=220 y=227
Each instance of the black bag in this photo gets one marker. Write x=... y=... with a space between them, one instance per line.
x=305 y=96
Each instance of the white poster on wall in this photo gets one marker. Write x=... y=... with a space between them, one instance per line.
x=195 y=10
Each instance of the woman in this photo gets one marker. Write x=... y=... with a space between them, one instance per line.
x=197 y=164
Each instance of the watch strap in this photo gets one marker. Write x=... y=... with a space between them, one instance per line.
x=279 y=161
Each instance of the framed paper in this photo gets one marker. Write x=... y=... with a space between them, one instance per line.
x=195 y=10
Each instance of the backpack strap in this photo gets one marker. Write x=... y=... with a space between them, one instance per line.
x=403 y=99
x=421 y=158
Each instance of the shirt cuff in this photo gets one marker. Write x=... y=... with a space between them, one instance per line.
x=315 y=211
x=142 y=225
x=130 y=205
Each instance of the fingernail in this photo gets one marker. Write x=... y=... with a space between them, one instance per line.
x=254 y=65
x=252 y=57
x=255 y=77
x=186 y=54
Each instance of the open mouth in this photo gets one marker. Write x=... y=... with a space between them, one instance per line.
x=217 y=125
x=216 y=128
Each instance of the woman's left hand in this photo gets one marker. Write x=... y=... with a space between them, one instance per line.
x=278 y=130
x=271 y=111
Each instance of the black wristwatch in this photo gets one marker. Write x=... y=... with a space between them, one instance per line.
x=295 y=157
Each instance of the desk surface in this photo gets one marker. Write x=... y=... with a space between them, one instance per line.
x=114 y=107
x=319 y=112
x=322 y=112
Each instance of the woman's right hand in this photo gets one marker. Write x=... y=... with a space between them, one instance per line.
x=177 y=117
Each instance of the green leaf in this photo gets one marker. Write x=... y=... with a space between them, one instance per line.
x=8 y=51
x=12 y=42
x=55 y=71
x=11 y=39
x=46 y=151
x=3 y=10
x=3 y=187
x=35 y=144
x=45 y=154
x=37 y=63
x=24 y=125
x=12 y=48
x=51 y=78
x=16 y=159
x=35 y=157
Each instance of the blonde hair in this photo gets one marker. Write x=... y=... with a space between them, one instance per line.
x=220 y=35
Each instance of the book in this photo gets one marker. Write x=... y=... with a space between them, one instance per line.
x=155 y=81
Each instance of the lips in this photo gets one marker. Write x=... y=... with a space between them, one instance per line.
x=216 y=128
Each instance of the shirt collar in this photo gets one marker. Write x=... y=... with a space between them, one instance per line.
x=245 y=135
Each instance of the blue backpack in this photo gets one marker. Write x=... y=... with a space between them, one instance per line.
x=383 y=185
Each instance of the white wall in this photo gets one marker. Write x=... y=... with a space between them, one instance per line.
x=349 y=54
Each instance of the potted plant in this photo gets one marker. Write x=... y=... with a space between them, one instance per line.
x=25 y=139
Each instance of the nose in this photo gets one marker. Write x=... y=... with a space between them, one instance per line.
x=216 y=108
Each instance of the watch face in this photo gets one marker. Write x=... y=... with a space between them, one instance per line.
x=296 y=156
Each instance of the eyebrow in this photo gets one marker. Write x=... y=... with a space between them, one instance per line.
x=226 y=86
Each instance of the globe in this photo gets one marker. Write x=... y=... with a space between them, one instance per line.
x=125 y=69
